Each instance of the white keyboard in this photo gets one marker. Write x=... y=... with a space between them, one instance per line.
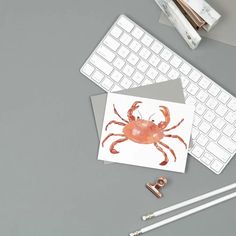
x=128 y=57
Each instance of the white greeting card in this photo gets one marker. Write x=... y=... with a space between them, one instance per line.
x=146 y=132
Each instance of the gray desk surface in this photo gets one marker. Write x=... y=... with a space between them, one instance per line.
x=51 y=183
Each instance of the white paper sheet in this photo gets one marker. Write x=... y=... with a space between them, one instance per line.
x=139 y=148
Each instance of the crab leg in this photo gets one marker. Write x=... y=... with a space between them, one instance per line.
x=170 y=149
x=115 y=122
x=110 y=135
x=166 y=113
x=130 y=115
x=163 y=152
x=112 y=149
x=175 y=126
x=176 y=136
x=116 y=112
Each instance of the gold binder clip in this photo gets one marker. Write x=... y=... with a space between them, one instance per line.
x=155 y=187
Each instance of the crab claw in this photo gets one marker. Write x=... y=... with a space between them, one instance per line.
x=114 y=151
x=135 y=106
x=163 y=163
x=165 y=111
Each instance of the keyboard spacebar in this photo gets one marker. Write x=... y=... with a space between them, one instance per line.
x=218 y=152
x=101 y=64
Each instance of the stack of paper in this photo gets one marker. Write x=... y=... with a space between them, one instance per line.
x=142 y=131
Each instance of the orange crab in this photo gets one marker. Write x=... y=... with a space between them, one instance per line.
x=144 y=131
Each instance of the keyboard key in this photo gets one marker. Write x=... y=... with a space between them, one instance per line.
x=125 y=24
x=118 y=63
x=221 y=110
x=147 y=40
x=101 y=64
x=126 y=83
x=208 y=156
x=206 y=160
x=106 y=53
x=133 y=59
x=231 y=117
x=116 y=32
x=107 y=84
x=152 y=73
x=202 y=96
x=111 y=43
x=192 y=89
x=161 y=78
x=234 y=137
x=197 y=151
x=195 y=76
x=154 y=60
x=202 y=140
x=88 y=69
x=146 y=82
x=156 y=47
x=185 y=94
x=223 y=97
x=211 y=103
x=217 y=151
x=227 y=144
x=185 y=68
x=125 y=39
x=196 y=120
x=195 y=133
x=163 y=67
x=184 y=81
x=219 y=123
x=204 y=127
x=175 y=61
x=123 y=51
x=166 y=54
x=191 y=101
x=200 y=109
x=204 y=83
x=116 y=88
x=97 y=76
x=217 y=165
x=128 y=70
x=142 y=66
x=214 y=134
x=229 y=130
x=144 y=53
x=232 y=104
x=135 y=46
x=134 y=85
x=137 y=33
x=214 y=90
x=116 y=76
x=174 y=74
x=138 y=77
x=209 y=116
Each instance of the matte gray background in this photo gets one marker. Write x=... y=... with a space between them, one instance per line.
x=51 y=183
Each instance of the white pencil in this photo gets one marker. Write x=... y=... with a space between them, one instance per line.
x=184 y=214
x=190 y=201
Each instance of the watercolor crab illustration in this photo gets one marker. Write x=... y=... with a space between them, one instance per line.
x=143 y=131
